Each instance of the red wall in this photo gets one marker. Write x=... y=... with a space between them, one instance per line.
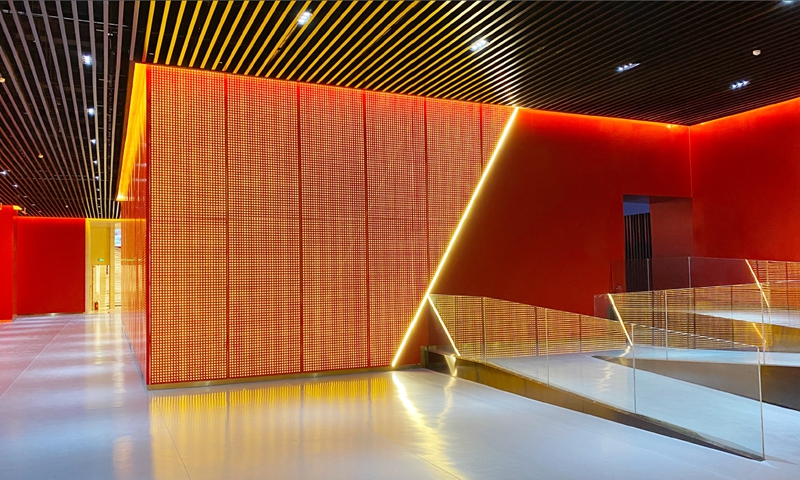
x=671 y=227
x=549 y=221
x=746 y=177
x=50 y=265
x=7 y=216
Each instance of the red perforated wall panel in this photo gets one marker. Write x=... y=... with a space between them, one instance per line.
x=333 y=228
x=264 y=228
x=188 y=226
x=454 y=167
x=291 y=227
x=398 y=265
x=493 y=121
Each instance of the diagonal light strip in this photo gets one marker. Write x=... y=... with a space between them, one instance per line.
x=453 y=239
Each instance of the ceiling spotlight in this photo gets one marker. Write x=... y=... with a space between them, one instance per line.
x=304 y=18
x=2 y=79
x=756 y=52
x=97 y=178
x=15 y=185
x=90 y=111
x=740 y=84
x=3 y=172
x=87 y=60
x=479 y=45
x=626 y=67
x=41 y=156
x=95 y=162
x=94 y=141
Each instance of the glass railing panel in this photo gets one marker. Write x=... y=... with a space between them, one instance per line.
x=669 y=273
x=697 y=385
x=707 y=386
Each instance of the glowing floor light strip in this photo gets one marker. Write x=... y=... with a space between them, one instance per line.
x=446 y=331
x=454 y=237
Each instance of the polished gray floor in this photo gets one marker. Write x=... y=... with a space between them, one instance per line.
x=721 y=417
x=72 y=405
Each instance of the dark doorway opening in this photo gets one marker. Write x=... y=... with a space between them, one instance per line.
x=638 y=243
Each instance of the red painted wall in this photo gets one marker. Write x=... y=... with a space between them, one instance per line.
x=548 y=221
x=746 y=177
x=7 y=216
x=50 y=265
x=671 y=227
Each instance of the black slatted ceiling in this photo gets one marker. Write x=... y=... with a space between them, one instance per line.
x=558 y=56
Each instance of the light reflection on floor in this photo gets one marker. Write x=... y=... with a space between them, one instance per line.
x=72 y=405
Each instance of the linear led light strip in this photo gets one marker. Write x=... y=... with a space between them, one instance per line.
x=454 y=237
x=619 y=317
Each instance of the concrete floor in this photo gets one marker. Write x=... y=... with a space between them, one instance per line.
x=72 y=405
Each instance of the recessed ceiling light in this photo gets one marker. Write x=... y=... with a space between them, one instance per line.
x=41 y=156
x=15 y=185
x=756 y=52
x=627 y=66
x=479 y=45
x=87 y=60
x=97 y=177
x=3 y=172
x=95 y=162
x=739 y=84
x=90 y=111
x=94 y=141
x=2 y=79
x=304 y=18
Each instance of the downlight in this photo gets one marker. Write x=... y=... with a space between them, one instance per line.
x=479 y=45
x=740 y=84
x=626 y=67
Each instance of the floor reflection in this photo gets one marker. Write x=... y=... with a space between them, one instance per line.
x=73 y=405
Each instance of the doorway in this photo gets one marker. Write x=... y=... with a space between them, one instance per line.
x=658 y=242
x=638 y=243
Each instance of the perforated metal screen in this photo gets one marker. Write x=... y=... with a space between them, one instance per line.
x=294 y=227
